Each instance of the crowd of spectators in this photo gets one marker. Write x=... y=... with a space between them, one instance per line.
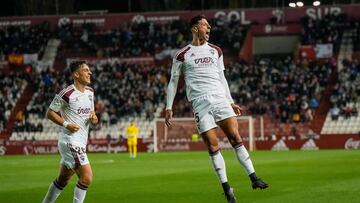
x=346 y=92
x=146 y=39
x=24 y=39
x=11 y=87
x=356 y=35
x=121 y=90
x=128 y=90
x=328 y=29
x=284 y=89
x=44 y=84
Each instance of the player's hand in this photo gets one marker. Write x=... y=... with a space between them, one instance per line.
x=237 y=109
x=168 y=117
x=93 y=118
x=73 y=127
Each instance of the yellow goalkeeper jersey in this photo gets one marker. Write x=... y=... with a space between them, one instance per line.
x=132 y=131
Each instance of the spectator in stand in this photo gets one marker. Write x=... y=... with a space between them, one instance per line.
x=335 y=113
x=105 y=118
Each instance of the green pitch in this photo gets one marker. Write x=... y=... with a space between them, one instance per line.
x=187 y=177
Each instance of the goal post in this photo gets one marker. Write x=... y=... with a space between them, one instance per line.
x=179 y=136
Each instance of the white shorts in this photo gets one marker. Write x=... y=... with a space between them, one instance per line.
x=72 y=154
x=210 y=109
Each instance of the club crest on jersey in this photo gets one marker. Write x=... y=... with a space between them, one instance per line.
x=90 y=97
x=212 y=51
x=57 y=102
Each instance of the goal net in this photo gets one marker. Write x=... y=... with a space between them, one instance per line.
x=180 y=135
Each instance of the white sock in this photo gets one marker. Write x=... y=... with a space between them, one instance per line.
x=79 y=193
x=244 y=158
x=218 y=163
x=53 y=193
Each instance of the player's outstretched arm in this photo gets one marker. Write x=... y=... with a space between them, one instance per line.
x=170 y=95
x=56 y=118
x=172 y=87
x=237 y=109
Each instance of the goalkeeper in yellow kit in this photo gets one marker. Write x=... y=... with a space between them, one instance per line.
x=132 y=135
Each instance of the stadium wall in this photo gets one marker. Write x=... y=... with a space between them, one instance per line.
x=178 y=137
x=51 y=147
x=350 y=142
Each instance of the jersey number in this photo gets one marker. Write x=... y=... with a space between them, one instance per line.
x=197 y=119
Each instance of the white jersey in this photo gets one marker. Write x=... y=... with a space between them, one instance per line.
x=201 y=66
x=74 y=107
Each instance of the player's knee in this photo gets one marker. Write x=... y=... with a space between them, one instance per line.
x=86 y=179
x=213 y=148
x=234 y=138
x=63 y=180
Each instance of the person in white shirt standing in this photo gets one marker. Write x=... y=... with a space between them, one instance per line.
x=207 y=90
x=73 y=110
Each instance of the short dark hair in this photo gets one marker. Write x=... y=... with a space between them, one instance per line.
x=195 y=20
x=75 y=65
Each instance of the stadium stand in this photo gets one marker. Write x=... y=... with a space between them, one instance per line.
x=329 y=29
x=286 y=92
x=145 y=39
x=345 y=103
x=12 y=86
x=115 y=103
x=122 y=105
x=284 y=89
x=24 y=39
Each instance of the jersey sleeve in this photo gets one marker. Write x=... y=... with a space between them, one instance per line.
x=176 y=67
x=221 y=65
x=57 y=103
x=93 y=101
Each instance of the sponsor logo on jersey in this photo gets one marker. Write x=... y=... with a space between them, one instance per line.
x=205 y=60
x=212 y=51
x=83 y=110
